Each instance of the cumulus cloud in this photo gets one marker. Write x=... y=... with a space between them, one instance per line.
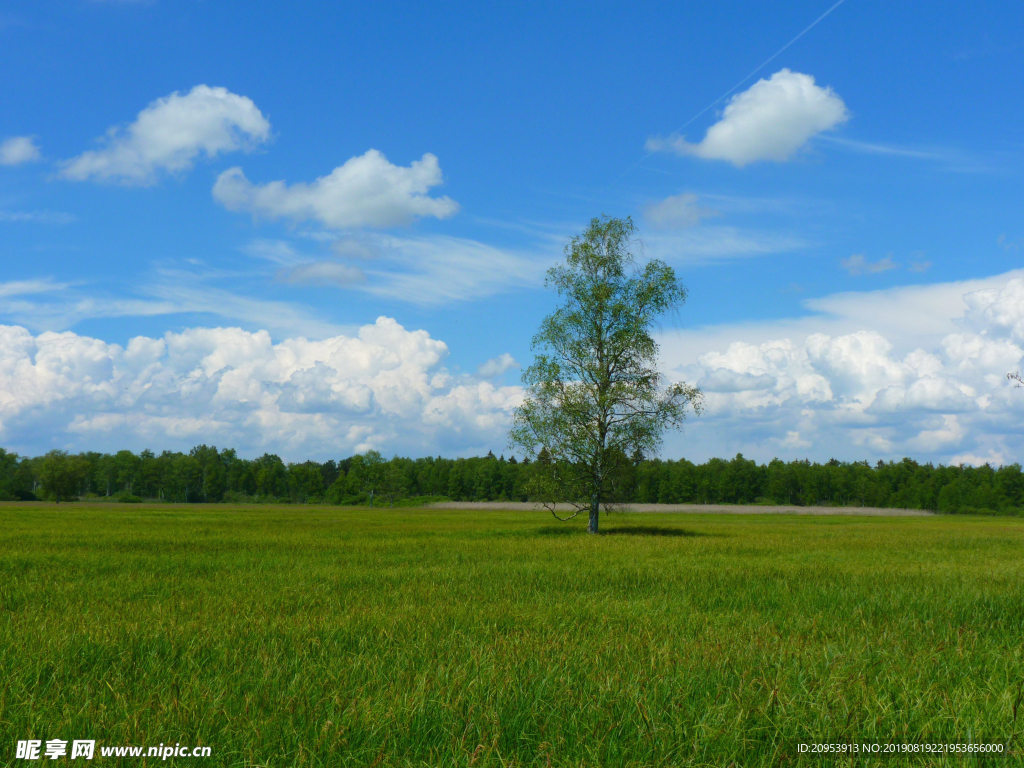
x=866 y=393
x=19 y=149
x=367 y=191
x=771 y=120
x=170 y=134
x=858 y=265
x=916 y=371
x=677 y=211
x=383 y=387
x=497 y=366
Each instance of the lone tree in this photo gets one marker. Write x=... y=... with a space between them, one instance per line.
x=594 y=394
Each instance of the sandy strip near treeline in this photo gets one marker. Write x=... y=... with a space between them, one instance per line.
x=697 y=509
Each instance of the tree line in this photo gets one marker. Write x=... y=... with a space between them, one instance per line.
x=206 y=474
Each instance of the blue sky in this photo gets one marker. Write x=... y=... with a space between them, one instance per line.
x=856 y=197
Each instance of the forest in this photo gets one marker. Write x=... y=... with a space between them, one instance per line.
x=207 y=475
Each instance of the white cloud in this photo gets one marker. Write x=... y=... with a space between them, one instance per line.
x=677 y=211
x=19 y=149
x=170 y=134
x=771 y=120
x=917 y=371
x=367 y=191
x=382 y=387
x=25 y=287
x=497 y=366
x=428 y=270
x=858 y=265
x=948 y=158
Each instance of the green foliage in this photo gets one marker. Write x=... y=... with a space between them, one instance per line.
x=595 y=396
x=16 y=481
x=61 y=476
x=207 y=475
x=318 y=636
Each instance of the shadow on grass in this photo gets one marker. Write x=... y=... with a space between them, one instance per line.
x=561 y=530
x=623 y=530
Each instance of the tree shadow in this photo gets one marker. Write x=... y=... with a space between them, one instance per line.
x=560 y=530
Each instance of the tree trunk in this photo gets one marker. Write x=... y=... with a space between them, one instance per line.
x=595 y=511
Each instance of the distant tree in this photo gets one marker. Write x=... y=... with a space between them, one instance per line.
x=392 y=481
x=9 y=485
x=305 y=481
x=373 y=473
x=127 y=466
x=61 y=475
x=329 y=470
x=271 y=475
x=594 y=393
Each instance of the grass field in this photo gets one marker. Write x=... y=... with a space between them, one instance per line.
x=326 y=636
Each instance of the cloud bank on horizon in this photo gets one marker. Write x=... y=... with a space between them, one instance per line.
x=385 y=387
x=851 y=392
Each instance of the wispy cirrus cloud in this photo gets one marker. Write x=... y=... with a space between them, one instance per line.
x=323 y=273
x=428 y=270
x=947 y=158
x=434 y=270
x=711 y=244
x=27 y=287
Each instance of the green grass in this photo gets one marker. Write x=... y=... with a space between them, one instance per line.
x=335 y=637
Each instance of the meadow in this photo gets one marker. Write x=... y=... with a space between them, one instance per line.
x=327 y=636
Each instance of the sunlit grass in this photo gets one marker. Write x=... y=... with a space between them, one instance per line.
x=298 y=636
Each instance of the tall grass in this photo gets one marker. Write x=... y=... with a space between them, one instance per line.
x=326 y=637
